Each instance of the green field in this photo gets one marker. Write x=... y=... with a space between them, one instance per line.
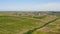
x=10 y=23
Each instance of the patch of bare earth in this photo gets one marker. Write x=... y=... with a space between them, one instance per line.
x=45 y=29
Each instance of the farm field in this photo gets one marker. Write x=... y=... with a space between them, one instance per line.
x=13 y=23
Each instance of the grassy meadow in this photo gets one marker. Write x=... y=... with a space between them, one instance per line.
x=20 y=23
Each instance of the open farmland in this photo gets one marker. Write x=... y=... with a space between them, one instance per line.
x=23 y=22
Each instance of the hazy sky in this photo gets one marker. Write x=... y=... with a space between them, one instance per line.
x=29 y=5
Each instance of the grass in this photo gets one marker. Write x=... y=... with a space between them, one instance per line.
x=22 y=24
x=31 y=31
x=9 y=24
x=39 y=17
x=55 y=29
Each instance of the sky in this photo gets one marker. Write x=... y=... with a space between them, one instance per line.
x=29 y=5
